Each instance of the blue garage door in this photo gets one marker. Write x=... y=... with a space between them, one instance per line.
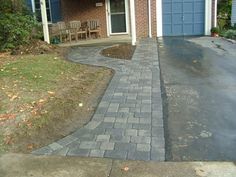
x=183 y=17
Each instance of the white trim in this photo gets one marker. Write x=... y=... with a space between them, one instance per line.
x=149 y=19
x=159 y=18
x=127 y=16
x=208 y=16
x=44 y=21
x=114 y=34
x=215 y=24
x=133 y=22
x=109 y=18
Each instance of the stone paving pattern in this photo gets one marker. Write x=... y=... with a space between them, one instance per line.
x=128 y=122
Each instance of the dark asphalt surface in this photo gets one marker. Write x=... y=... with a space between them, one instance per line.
x=200 y=109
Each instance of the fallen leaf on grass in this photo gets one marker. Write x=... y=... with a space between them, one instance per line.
x=34 y=112
x=30 y=146
x=41 y=100
x=29 y=124
x=13 y=97
x=80 y=104
x=8 y=140
x=51 y=93
x=2 y=123
x=7 y=116
x=125 y=169
x=22 y=110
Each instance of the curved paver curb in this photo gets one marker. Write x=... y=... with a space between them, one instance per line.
x=128 y=123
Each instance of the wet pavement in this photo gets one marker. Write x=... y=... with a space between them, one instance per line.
x=200 y=101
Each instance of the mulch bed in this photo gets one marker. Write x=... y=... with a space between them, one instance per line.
x=119 y=51
x=35 y=47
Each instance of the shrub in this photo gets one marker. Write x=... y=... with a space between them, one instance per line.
x=230 y=34
x=15 y=29
x=16 y=24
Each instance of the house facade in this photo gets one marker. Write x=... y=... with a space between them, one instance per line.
x=143 y=18
x=233 y=17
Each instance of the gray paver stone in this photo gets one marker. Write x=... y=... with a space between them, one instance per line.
x=97 y=153
x=107 y=146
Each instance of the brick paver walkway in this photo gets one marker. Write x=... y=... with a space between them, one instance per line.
x=128 y=123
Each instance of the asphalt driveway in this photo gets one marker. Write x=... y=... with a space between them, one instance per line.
x=199 y=86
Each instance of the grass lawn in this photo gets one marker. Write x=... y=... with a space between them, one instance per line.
x=44 y=98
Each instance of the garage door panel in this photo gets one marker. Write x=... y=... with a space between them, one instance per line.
x=168 y=7
x=177 y=19
x=188 y=18
x=198 y=18
x=176 y=1
x=177 y=29
x=188 y=7
x=183 y=17
x=198 y=29
x=168 y=19
x=189 y=1
x=199 y=6
x=189 y=29
x=177 y=7
x=168 y=28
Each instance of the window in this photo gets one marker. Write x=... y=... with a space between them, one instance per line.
x=38 y=10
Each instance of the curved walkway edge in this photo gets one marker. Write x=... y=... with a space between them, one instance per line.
x=128 y=122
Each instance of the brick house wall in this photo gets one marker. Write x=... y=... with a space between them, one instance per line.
x=84 y=10
x=154 y=18
x=142 y=27
x=141 y=8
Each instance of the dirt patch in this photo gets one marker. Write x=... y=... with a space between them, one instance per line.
x=39 y=105
x=120 y=51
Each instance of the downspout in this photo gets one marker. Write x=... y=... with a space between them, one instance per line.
x=33 y=6
x=149 y=19
x=133 y=22
x=44 y=21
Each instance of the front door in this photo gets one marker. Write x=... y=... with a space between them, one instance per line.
x=118 y=16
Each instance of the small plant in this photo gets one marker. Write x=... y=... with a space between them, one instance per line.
x=215 y=31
